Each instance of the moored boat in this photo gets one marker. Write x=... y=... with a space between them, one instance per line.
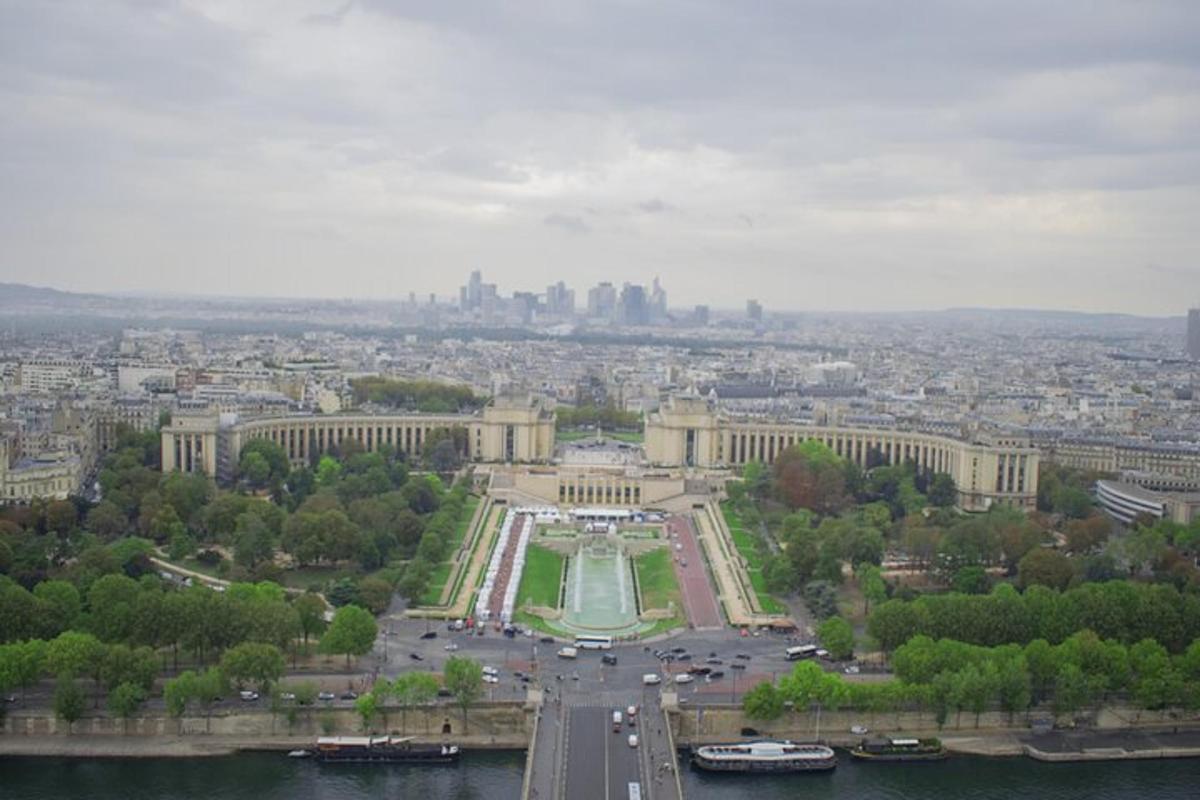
x=380 y=749
x=767 y=755
x=884 y=749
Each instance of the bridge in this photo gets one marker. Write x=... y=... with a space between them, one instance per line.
x=576 y=755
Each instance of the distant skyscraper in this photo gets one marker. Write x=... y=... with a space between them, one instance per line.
x=633 y=310
x=700 y=316
x=1193 y=334
x=754 y=310
x=471 y=295
x=658 y=302
x=602 y=301
x=560 y=301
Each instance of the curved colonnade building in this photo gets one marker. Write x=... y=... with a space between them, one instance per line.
x=685 y=433
x=508 y=430
x=688 y=432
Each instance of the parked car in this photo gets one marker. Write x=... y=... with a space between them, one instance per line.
x=859 y=730
x=683 y=677
x=444 y=692
x=248 y=696
x=715 y=675
x=451 y=647
x=711 y=660
x=287 y=697
x=327 y=696
x=678 y=650
x=743 y=656
x=737 y=665
x=547 y=640
x=491 y=671
x=429 y=635
x=490 y=679
x=349 y=695
x=651 y=679
x=684 y=657
x=415 y=656
x=852 y=669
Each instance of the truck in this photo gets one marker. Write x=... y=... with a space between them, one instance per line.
x=568 y=652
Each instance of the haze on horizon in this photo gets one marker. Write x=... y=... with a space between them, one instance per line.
x=853 y=155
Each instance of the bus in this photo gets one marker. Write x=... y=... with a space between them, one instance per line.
x=803 y=651
x=589 y=642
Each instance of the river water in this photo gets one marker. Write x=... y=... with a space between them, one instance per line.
x=497 y=776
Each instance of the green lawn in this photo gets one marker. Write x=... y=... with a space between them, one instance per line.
x=656 y=579
x=314 y=577
x=632 y=437
x=573 y=436
x=442 y=572
x=541 y=578
x=745 y=542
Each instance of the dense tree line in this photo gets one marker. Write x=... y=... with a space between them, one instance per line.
x=944 y=676
x=608 y=417
x=428 y=396
x=1123 y=611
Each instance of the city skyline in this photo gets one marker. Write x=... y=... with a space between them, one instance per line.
x=860 y=158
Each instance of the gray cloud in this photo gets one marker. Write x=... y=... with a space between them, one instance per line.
x=568 y=222
x=142 y=143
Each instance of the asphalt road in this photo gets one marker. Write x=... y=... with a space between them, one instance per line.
x=600 y=763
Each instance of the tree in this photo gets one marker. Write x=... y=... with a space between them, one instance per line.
x=942 y=491
x=837 y=637
x=260 y=663
x=367 y=706
x=809 y=475
x=763 y=702
x=1071 y=689
x=74 y=653
x=178 y=692
x=1045 y=567
x=254 y=469
x=208 y=688
x=352 y=631
x=311 y=609
x=107 y=521
x=59 y=605
x=111 y=602
x=971 y=579
x=125 y=700
x=413 y=689
x=893 y=623
x=464 y=678
x=375 y=594
x=126 y=665
x=871 y=583
x=69 y=701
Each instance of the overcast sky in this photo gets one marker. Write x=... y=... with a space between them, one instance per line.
x=850 y=154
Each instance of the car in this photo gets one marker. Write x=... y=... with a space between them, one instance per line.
x=491 y=671
x=633 y=740
x=547 y=640
x=713 y=661
x=631 y=712
x=429 y=635
x=415 y=656
x=743 y=633
x=444 y=692
x=287 y=697
x=859 y=730
x=249 y=697
x=684 y=657
x=743 y=656
x=451 y=647
x=609 y=658
x=851 y=670
x=479 y=631
x=678 y=650
x=715 y=675
x=10 y=698
x=326 y=696
x=651 y=679
x=490 y=679
x=683 y=562
x=821 y=653
x=518 y=674
x=349 y=695
x=683 y=677
x=526 y=679
x=699 y=670
x=678 y=546
x=737 y=665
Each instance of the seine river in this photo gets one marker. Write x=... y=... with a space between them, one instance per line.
x=497 y=776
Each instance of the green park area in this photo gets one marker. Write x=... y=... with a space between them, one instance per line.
x=444 y=571
x=747 y=546
x=541 y=579
x=656 y=579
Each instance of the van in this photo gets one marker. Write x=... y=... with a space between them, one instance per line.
x=651 y=679
x=568 y=652
x=616 y=722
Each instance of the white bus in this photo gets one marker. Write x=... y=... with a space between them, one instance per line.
x=803 y=651
x=589 y=642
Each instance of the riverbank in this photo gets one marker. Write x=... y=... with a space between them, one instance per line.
x=83 y=746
